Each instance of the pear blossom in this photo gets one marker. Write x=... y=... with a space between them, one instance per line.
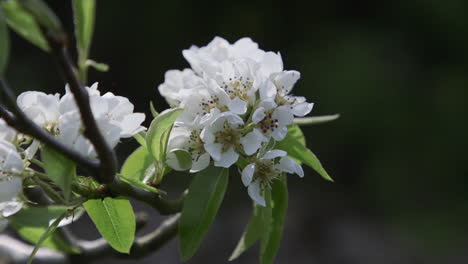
x=178 y=85
x=11 y=167
x=271 y=119
x=42 y=108
x=258 y=175
x=6 y=132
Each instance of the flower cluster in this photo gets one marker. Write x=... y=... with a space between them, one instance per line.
x=237 y=103
x=60 y=116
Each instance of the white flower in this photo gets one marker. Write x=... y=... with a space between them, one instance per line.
x=178 y=85
x=42 y=108
x=11 y=166
x=257 y=176
x=222 y=139
x=6 y=132
x=271 y=119
x=186 y=136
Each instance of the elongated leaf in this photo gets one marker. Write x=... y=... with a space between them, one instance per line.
x=115 y=220
x=37 y=216
x=253 y=232
x=60 y=169
x=157 y=128
x=141 y=138
x=4 y=43
x=137 y=164
x=141 y=185
x=294 y=144
x=32 y=234
x=206 y=192
x=154 y=113
x=49 y=231
x=279 y=205
x=23 y=23
x=84 y=15
x=315 y=120
x=43 y=15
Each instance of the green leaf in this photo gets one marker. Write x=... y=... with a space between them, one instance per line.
x=115 y=220
x=60 y=169
x=99 y=66
x=21 y=21
x=254 y=230
x=179 y=159
x=138 y=165
x=49 y=231
x=4 y=43
x=140 y=137
x=279 y=205
x=206 y=192
x=84 y=15
x=141 y=185
x=153 y=110
x=43 y=15
x=32 y=234
x=294 y=144
x=315 y=120
x=37 y=216
x=160 y=124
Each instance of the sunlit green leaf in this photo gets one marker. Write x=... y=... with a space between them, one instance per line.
x=23 y=23
x=140 y=137
x=153 y=110
x=60 y=169
x=138 y=165
x=115 y=220
x=84 y=13
x=206 y=192
x=4 y=43
x=32 y=234
x=99 y=66
x=294 y=144
x=158 y=127
x=279 y=205
x=43 y=15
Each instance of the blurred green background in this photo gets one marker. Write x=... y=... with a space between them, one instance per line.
x=396 y=71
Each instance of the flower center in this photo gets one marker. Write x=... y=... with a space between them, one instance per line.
x=196 y=144
x=238 y=87
x=265 y=172
x=268 y=123
x=207 y=104
x=228 y=137
x=282 y=99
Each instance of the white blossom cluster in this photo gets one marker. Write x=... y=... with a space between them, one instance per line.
x=236 y=100
x=61 y=117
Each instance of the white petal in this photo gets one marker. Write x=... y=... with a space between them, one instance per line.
x=214 y=149
x=232 y=118
x=238 y=106
x=288 y=165
x=271 y=63
x=287 y=79
x=10 y=188
x=32 y=149
x=258 y=115
x=274 y=154
x=131 y=124
x=207 y=136
x=255 y=193
x=247 y=174
x=284 y=115
x=268 y=104
x=10 y=208
x=252 y=141
x=201 y=163
x=302 y=109
x=279 y=133
x=267 y=90
x=227 y=158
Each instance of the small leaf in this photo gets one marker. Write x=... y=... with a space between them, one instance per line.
x=294 y=144
x=49 y=231
x=43 y=15
x=84 y=16
x=315 y=120
x=141 y=185
x=115 y=220
x=37 y=216
x=206 y=192
x=156 y=130
x=60 y=169
x=179 y=159
x=21 y=21
x=253 y=232
x=153 y=110
x=279 y=203
x=137 y=164
x=140 y=137
x=4 y=43
x=99 y=66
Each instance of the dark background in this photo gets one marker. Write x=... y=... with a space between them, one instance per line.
x=396 y=71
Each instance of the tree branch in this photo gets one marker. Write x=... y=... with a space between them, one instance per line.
x=106 y=155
